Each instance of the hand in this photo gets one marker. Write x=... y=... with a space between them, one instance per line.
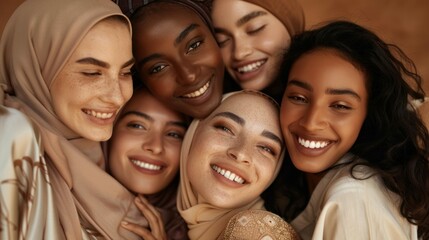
x=156 y=231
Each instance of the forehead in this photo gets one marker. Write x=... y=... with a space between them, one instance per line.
x=328 y=65
x=157 y=15
x=252 y=107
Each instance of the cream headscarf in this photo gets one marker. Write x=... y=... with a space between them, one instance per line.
x=37 y=41
x=206 y=221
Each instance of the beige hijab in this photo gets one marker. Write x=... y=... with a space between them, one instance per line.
x=36 y=43
x=206 y=221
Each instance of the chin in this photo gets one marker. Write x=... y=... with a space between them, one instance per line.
x=98 y=136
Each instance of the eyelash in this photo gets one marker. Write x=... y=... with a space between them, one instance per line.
x=91 y=74
x=135 y=125
x=298 y=99
x=223 y=128
x=157 y=69
x=254 y=31
x=195 y=45
x=302 y=100
x=268 y=149
x=175 y=135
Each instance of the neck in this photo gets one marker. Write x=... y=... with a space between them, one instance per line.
x=312 y=180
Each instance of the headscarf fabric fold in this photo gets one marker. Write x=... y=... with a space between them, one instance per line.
x=36 y=43
x=289 y=12
x=206 y=221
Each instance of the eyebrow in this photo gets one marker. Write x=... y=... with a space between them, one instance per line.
x=272 y=136
x=179 y=39
x=231 y=116
x=185 y=32
x=96 y=62
x=149 y=118
x=330 y=91
x=149 y=58
x=241 y=121
x=249 y=17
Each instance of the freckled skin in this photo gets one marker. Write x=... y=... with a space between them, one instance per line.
x=81 y=87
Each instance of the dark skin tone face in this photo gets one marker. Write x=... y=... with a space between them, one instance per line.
x=178 y=59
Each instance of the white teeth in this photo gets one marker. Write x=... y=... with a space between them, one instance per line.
x=98 y=114
x=228 y=174
x=313 y=144
x=251 y=67
x=199 y=92
x=145 y=165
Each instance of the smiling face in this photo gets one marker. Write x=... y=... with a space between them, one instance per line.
x=145 y=146
x=252 y=42
x=235 y=151
x=178 y=59
x=94 y=83
x=323 y=109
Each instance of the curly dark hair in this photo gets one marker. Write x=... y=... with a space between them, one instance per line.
x=393 y=138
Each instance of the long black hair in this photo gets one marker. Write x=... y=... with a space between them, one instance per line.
x=393 y=138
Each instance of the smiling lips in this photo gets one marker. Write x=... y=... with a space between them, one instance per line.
x=251 y=67
x=199 y=92
x=313 y=144
x=145 y=165
x=228 y=174
x=99 y=115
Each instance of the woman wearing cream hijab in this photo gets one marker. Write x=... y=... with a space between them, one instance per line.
x=64 y=75
x=228 y=159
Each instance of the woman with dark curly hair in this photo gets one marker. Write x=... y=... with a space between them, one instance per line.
x=350 y=130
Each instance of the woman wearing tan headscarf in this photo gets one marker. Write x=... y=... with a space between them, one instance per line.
x=228 y=159
x=64 y=75
x=253 y=36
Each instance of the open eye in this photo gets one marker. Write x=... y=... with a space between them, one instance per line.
x=175 y=135
x=194 y=46
x=268 y=149
x=136 y=126
x=157 y=68
x=223 y=128
x=297 y=99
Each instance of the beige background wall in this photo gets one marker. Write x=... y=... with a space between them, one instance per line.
x=402 y=22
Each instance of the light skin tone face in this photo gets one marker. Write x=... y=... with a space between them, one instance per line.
x=235 y=151
x=323 y=109
x=145 y=146
x=252 y=42
x=94 y=84
x=178 y=59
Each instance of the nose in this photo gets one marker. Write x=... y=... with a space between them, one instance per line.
x=187 y=72
x=118 y=91
x=242 y=48
x=153 y=143
x=314 y=118
x=240 y=151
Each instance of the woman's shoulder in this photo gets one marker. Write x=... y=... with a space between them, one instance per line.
x=18 y=134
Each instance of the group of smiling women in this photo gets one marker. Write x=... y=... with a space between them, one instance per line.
x=198 y=119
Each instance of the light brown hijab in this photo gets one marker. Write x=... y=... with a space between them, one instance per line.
x=206 y=221
x=37 y=41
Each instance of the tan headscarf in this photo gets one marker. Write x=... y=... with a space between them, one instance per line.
x=289 y=12
x=206 y=221
x=37 y=41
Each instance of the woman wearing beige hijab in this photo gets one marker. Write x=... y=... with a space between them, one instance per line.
x=64 y=75
x=228 y=159
x=253 y=39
